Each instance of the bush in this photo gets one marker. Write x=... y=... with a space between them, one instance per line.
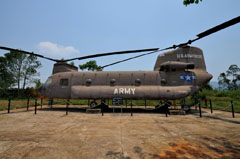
x=13 y=93
x=222 y=93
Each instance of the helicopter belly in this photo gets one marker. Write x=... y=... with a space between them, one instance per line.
x=130 y=92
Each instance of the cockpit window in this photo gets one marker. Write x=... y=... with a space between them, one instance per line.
x=63 y=82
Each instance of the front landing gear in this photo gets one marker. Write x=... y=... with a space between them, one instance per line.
x=93 y=104
x=186 y=108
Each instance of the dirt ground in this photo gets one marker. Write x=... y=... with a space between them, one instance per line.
x=53 y=135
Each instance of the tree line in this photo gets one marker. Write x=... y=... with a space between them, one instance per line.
x=228 y=86
x=18 y=71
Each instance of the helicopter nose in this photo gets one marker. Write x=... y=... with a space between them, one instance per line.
x=208 y=77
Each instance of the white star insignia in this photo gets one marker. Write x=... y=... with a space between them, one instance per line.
x=188 y=78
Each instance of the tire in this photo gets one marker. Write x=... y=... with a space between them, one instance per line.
x=93 y=104
x=186 y=108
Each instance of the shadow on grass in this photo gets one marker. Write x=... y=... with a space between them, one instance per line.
x=221 y=119
x=196 y=113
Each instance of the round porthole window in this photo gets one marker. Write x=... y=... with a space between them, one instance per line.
x=88 y=82
x=163 y=81
x=138 y=82
x=113 y=82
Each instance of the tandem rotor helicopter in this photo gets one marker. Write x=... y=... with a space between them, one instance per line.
x=176 y=75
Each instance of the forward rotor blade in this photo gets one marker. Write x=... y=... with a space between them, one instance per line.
x=219 y=27
x=29 y=53
x=111 y=53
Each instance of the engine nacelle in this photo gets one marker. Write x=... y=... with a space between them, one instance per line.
x=63 y=67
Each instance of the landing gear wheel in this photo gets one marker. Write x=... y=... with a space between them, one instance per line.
x=93 y=104
x=186 y=108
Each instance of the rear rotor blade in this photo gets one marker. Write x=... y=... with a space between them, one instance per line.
x=211 y=31
x=199 y=36
x=219 y=27
x=134 y=57
x=114 y=63
x=29 y=53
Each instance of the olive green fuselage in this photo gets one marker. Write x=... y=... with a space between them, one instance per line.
x=176 y=74
x=125 y=84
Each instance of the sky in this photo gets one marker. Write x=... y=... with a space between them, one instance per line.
x=74 y=28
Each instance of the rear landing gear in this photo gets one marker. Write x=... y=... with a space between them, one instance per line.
x=93 y=104
x=185 y=107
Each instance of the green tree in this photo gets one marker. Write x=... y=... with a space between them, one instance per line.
x=223 y=81
x=15 y=64
x=188 y=2
x=238 y=77
x=233 y=73
x=72 y=63
x=22 y=67
x=37 y=83
x=230 y=79
x=6 y=78
x=90 y=66
x=29 y=71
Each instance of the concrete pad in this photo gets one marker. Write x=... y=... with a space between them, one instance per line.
x=52 y=134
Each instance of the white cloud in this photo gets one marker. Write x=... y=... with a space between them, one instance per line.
x=56 y=50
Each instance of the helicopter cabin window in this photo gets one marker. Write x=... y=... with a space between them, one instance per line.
x=63 y=82
x=164 y=68
x=138 y=82
x=113 y=82
x=88 y=82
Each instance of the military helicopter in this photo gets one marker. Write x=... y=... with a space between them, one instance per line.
x=176 y=75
